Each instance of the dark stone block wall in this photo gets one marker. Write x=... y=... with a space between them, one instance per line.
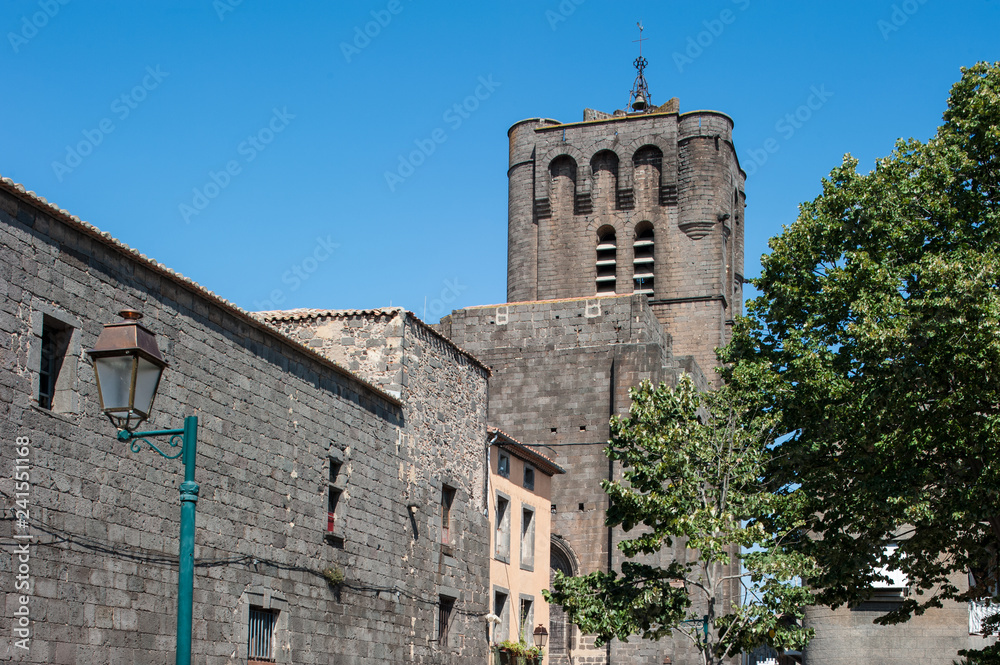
x=443 y=390
x=561 y=368
x=272 y=414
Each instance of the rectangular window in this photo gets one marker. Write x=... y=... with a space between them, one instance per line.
x=445 y=607
x=502 y=630
x=261 y=644
x=529 y=477
x=447 y=497
x=525 y=618
x=52 y=383
x=502 y=551
x=894 y=588
x=527 y=538
x=503 y=465
x=333 y=500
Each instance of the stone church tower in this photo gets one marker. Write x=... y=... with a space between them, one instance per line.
x=648 y=203
x=625 y=263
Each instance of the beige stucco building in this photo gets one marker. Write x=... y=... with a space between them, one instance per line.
x=520 y=510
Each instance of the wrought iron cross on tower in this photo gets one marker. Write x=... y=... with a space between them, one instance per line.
x=639 y=96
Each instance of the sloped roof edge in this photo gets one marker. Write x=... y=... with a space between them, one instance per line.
x=19 y=191
x=306 y=314
x=509 y=443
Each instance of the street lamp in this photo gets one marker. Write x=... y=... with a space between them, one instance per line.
x=128 y=366
x=541 y=636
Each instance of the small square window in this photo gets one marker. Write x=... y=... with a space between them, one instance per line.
x=529 y=477
x=503 y=465
x=261 y=641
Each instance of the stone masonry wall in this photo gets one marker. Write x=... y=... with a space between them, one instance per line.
x=443 y=435
x=104 y=520
x=561 y=368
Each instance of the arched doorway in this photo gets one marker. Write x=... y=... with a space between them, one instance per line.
x=561 y=631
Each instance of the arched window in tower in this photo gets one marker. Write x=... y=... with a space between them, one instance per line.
x=643 y=261
x=648 y=163
x=604 y=166
x=562 y=171
x=607 y=259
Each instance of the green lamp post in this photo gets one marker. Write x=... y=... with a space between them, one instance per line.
x=128 y=366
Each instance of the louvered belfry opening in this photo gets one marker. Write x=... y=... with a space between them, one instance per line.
x=607 y=261
x=643 y=262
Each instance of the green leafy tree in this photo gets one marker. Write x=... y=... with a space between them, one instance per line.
x=691 y=465
x=875 y=343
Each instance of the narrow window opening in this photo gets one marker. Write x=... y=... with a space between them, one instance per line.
x=261 y=641
x=529 y=477
x=333 y=501
x=527 y=539
x=52 y=384
x=447 y=497
x=446 y=606
x=526 y=618
x=502 y=630
x=581 y=506
x=502 y=552
x=503 y=465
x=607 y=261
x=643 y=265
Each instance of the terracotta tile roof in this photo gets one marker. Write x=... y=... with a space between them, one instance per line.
x=18 y=190
x=305 y=314
x=524 y=452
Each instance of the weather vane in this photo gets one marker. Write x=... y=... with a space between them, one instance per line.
x=639 y=96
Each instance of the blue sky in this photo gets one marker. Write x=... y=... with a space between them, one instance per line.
x=246 y=143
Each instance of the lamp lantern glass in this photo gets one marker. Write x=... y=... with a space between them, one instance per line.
x=541 y=636
x=128 y=366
